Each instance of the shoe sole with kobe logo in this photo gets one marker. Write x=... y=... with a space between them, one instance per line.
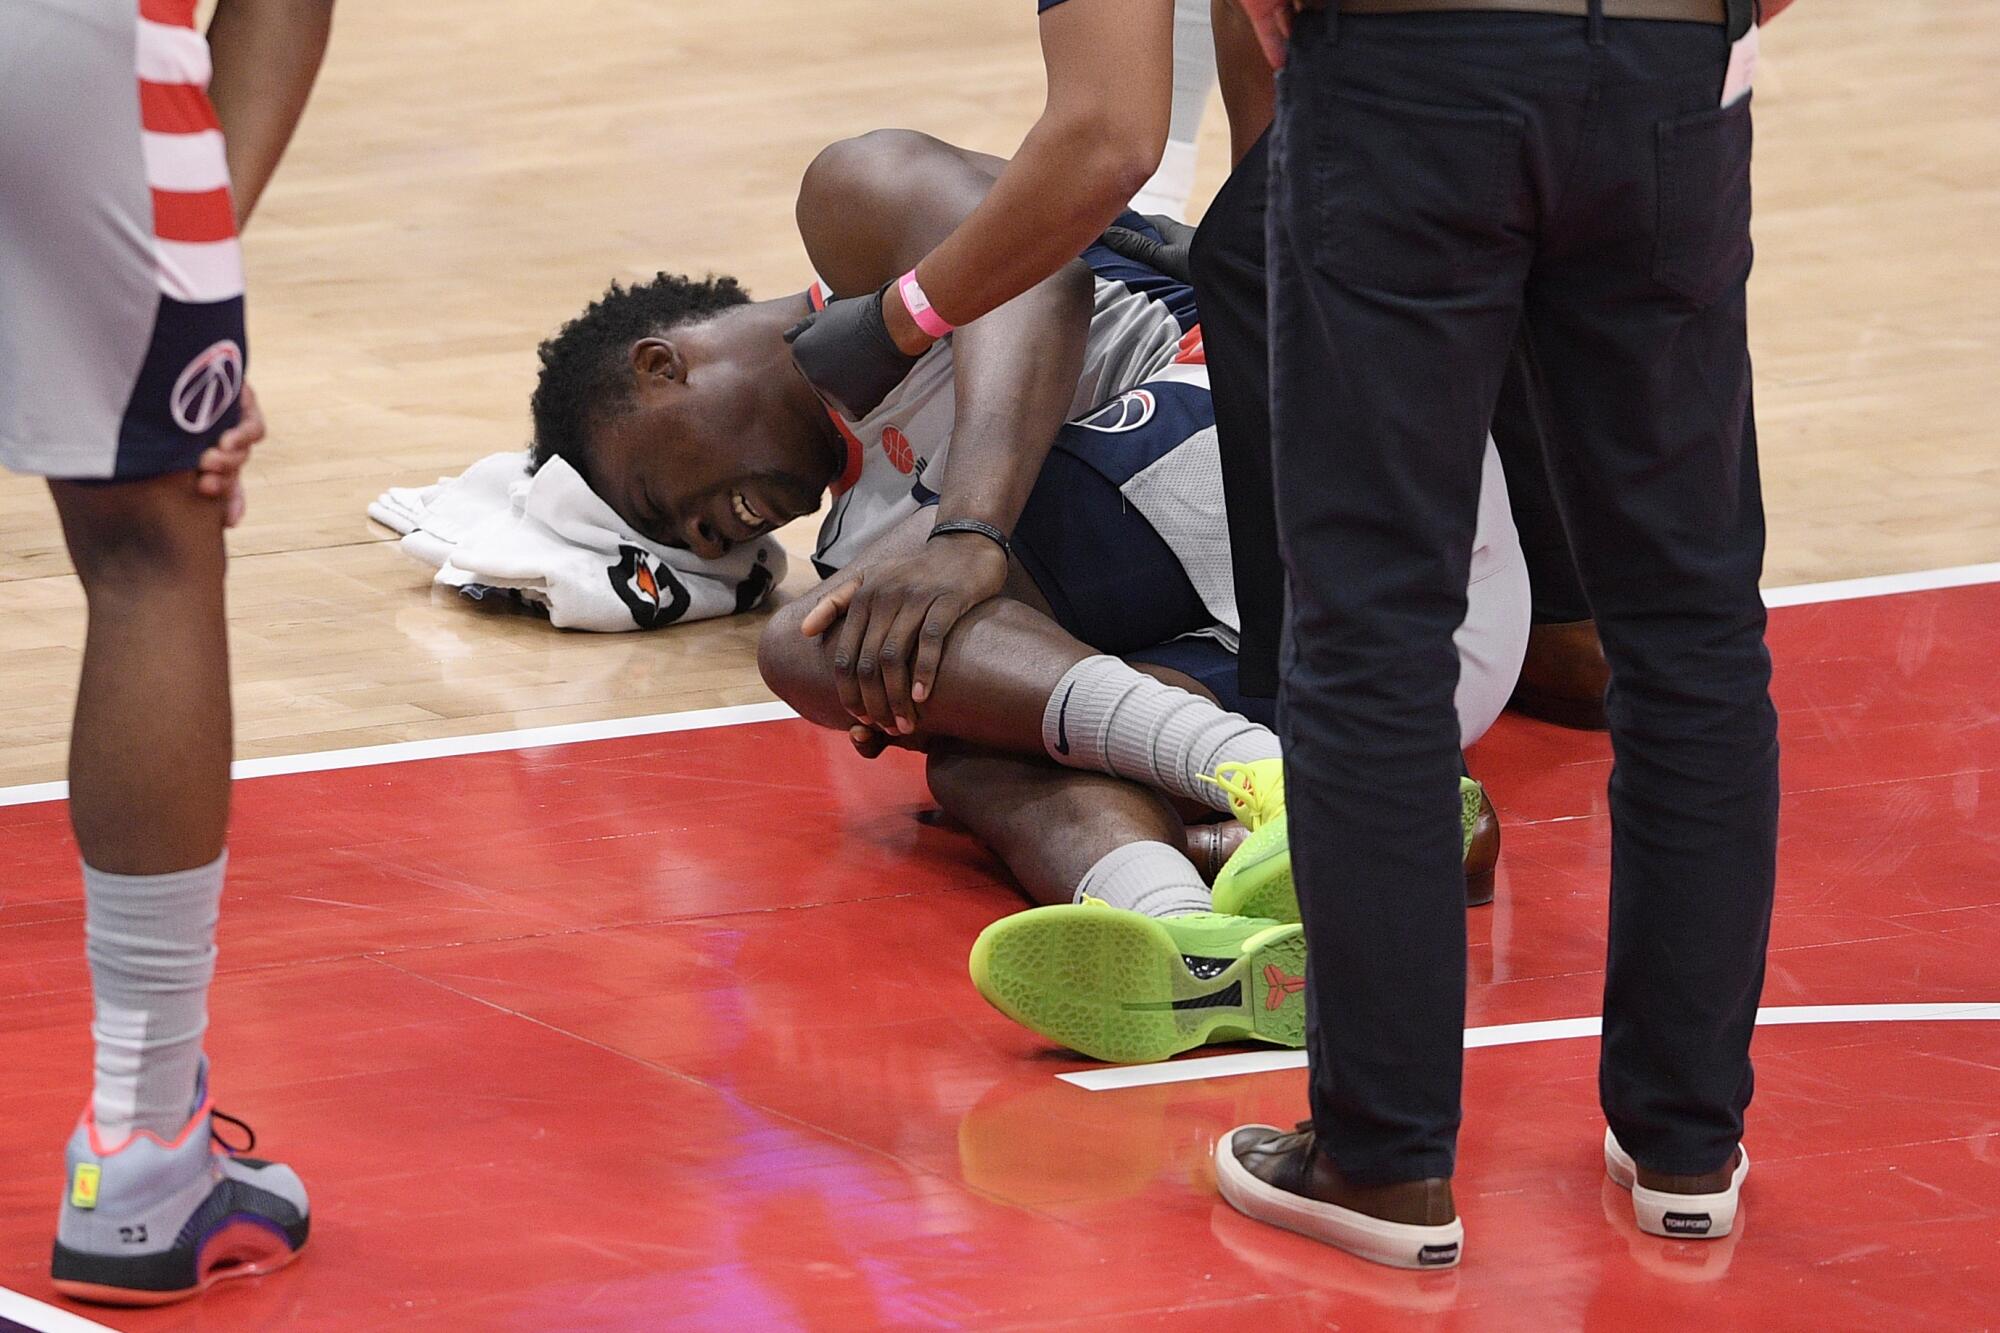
x=1118 y=986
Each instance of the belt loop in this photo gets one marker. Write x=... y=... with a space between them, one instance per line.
x=1597 y=22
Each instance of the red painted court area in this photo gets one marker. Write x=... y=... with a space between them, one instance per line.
x=674 y=1032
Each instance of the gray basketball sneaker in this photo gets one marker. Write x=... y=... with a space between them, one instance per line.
x=152 y=1221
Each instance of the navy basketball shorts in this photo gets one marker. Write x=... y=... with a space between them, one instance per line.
x=1114 y=583
x=1109 y=577
x=122 y=352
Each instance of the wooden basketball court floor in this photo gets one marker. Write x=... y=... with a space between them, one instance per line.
x=657 y=1017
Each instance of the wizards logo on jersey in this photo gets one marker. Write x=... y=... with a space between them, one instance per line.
x=650 y=590
x=1128 y=411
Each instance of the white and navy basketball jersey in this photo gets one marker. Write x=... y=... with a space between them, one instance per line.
x=1143 y=390
x=1141 y=418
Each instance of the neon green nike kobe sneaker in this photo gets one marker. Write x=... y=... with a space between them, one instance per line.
x=1127 y=988
x=1257 y=880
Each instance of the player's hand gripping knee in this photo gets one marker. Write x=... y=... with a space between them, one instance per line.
x=888 y=625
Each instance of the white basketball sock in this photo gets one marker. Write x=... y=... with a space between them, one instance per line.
x=151 y=944
x=1150 y=878
x=1107 y=717
x=1194 y=77
x=1168 y=190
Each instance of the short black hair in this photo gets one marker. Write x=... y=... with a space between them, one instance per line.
x=585 y=377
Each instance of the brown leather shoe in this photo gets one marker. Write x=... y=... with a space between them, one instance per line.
x=1701 y=1207
x=1564 y=676
x=1210 y=846
x=1482 y=857
x=1714 y=1182
x=1281 y=1178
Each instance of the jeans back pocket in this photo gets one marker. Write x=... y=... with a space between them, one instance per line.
x=1412 y=198
x=1702 y=247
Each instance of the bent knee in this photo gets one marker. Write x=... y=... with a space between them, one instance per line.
x=794 y=668
x=783 y=652
x=886 y=147
x=140 y=535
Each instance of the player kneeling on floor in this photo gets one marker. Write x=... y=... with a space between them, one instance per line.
x=1027 y=576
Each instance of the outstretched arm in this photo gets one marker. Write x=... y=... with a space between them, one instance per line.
x=867 y=208
x=1100 y=135
x=1110 y=98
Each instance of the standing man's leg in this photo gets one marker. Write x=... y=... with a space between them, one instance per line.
x=1232 y=293
x=1638 y=329
x=1564 y=675
x=1518 y=433
x=1399 y=224
x=149 y=783
x=121 y=361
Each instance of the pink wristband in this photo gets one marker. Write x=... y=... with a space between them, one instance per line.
x=919 y=306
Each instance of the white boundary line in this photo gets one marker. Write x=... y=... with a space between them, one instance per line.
x=1881 y=585
x=529 y=738
x=1114 y=1077
x=24 y=1309
x=28 y=1311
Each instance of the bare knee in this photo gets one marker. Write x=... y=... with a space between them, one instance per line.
x=780 y=648
x=137 y=538
x=794 y=667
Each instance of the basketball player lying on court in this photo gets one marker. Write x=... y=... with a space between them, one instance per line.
x=1073 y=687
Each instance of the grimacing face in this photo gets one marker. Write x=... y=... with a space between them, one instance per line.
x=715 y=451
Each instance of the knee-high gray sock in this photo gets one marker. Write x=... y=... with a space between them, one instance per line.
x=1150 y=878
x=1109 y=718
x=1194 y=78
x=151 y=944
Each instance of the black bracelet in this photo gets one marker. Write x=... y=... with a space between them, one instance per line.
x=986 y=530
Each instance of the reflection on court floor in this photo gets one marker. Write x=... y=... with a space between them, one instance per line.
x=674 y=1031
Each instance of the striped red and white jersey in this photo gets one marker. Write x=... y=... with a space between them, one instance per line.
x=122 y=349
x=194 y=218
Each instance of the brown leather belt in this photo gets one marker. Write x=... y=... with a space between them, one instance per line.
x=1684 y=11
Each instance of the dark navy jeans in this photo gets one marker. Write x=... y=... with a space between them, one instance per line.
x=1231 y=289
x=1444 y=188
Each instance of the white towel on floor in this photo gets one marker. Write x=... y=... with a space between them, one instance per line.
x=548 y=541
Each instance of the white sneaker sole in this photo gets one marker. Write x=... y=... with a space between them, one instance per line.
x=1397 y=1244
x=1675 y=1216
